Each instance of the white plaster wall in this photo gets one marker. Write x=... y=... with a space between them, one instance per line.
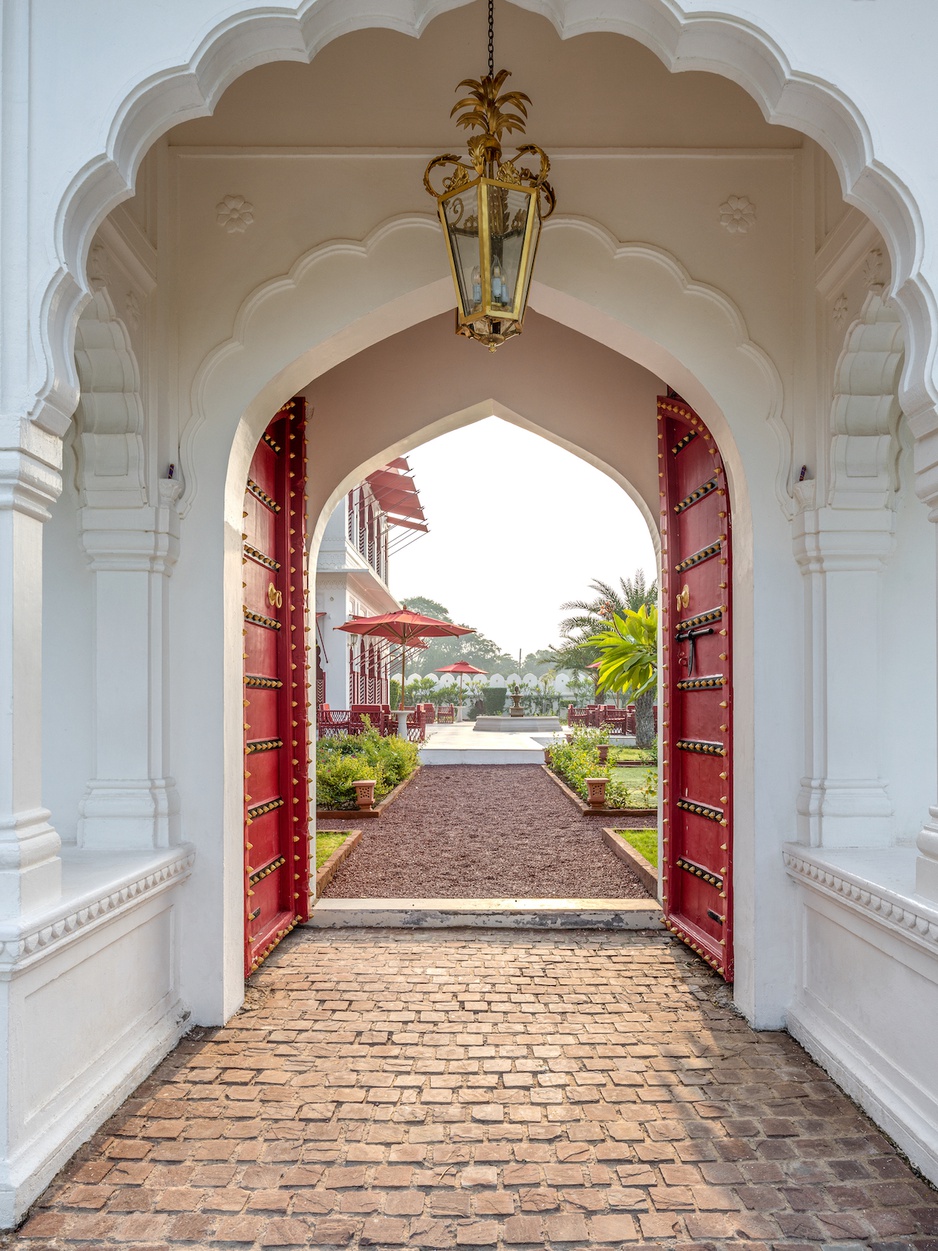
x=856 y=978
x=73 y=1051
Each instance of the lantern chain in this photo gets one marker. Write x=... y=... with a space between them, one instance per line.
x=491 y=38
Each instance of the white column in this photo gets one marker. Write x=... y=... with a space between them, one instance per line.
x=843 y=800
x=926 y=865
x=30 y=869
x=130 y=802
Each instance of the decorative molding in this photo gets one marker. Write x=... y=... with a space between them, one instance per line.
x=133 y=540
x=127 y=245
x=133 y=309
x=839 y=311
x=720 y=42
x=865 y=412
x=874 y=270
x=842 y=252
x=913 y=919
x=98 y=270
x=109 y=448
x=27 y=484
x=19 y=943
x=286 y=287
x=737 y=214
x=724 y=328
x=235 y=213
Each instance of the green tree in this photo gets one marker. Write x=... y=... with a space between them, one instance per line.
x=628 y=647
x=591 y=616
x=428 y=607
x=476 y=649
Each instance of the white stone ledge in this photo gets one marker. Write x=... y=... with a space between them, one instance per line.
x=878 y=884
x=96 y=886
x=604 y=914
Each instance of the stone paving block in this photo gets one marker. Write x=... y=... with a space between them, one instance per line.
x=535 y=1090
x=613 y=1229
x=479 y=1234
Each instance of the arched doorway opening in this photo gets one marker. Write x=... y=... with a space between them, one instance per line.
x=262 y=326
x=603 y=407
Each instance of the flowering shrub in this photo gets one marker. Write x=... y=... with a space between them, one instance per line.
x=349 y=758
x=575 y=762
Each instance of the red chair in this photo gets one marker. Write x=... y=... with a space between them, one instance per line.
x=446 y=714
x=335 y=721
x=417 y=724
x=374 y=713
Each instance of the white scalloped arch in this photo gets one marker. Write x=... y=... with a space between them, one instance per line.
x=634 y=298
x=721 y=43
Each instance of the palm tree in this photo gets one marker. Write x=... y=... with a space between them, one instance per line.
x=592 y=617
x=629 y=663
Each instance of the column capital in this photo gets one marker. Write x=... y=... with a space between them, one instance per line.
x=831 y=540
x=29 y=483
x=131 y=540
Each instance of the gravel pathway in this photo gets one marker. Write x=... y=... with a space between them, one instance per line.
x=484 y=832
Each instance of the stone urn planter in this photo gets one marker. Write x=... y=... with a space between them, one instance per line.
x=516 y=710
x=365 y=793
x=603 y=752
x=596 y=792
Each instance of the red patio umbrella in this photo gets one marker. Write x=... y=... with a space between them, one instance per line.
x=405 y=628
x=461 y=667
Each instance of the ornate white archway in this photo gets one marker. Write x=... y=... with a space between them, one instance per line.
x=721 y=42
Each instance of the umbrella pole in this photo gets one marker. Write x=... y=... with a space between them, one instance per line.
x=403 y=670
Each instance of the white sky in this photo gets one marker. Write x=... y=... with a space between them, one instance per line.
x=518 y=526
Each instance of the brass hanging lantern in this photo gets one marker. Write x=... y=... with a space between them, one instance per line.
x=491 y=211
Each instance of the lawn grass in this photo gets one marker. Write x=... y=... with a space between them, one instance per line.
x=634 y=755
x=645 y=843
x=326 y=844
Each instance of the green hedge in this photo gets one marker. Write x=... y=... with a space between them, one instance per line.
x=349 y=758
x=494 y=699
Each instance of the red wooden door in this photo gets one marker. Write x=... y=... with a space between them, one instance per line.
x=696 y=693
x=276 y=804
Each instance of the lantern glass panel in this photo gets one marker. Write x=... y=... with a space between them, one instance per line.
x=461 y=218
x=508 y=210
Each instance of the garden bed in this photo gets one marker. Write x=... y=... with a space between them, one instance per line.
x=572 y=763
x=485 y=832
x=346 y=759
x=584 y=807
x=618 y=843
x=339 y=846
x=353 y=814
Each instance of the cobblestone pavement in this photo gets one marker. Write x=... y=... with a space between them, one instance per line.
x=388 y=1089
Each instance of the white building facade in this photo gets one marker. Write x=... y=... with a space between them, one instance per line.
x=351 y=581
x=209 y=207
